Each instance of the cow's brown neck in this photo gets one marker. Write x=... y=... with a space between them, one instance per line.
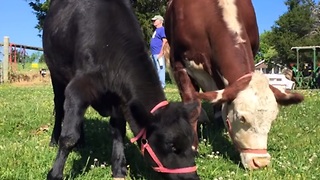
x=234 y=60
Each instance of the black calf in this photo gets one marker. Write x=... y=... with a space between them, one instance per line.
x=96 y=56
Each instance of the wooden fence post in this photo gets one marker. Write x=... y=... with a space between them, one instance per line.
x=5 y=63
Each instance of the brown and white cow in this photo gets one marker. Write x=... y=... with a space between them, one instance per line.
x=213 y=44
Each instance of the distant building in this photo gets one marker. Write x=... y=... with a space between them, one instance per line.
x=269 y=68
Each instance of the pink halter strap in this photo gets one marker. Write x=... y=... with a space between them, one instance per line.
x=244 y=76
x=145 y=146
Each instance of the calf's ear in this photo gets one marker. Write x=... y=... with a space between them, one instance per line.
x=286 y=98
x=190 y=106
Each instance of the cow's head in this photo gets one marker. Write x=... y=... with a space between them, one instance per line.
x=168 y=140
x=250 y=105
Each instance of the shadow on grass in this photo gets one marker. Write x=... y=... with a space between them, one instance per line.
x=214 y=132
x=98 y=145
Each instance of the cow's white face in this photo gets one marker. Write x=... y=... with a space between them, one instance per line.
x=250 y=105
x=249 y=117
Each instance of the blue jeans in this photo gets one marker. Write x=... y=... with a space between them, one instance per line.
x=160 y=66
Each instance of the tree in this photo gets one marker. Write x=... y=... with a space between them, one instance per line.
x=267 y=51
x=35 y=57
x=144 y=10
x=40 y=9
x=295 y=28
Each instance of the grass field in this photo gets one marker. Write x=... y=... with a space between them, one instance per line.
x=26 y=123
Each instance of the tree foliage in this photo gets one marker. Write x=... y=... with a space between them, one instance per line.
x=267 y=51
x=299 y=26
x=40 y=9
x=144 y=10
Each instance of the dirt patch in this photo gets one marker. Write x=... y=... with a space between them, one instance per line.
x=29 y=79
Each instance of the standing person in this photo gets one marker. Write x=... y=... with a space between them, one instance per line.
x=158 y=40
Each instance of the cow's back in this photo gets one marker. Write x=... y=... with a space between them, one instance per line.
x=210 y=33
x=95 y=36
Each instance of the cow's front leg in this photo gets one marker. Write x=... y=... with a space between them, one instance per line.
x=74 y=107
x=58 y=89
x=188 y=95
x=118 y=160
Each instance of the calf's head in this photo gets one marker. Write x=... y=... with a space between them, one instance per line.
x=250 y=105
x=167 y=140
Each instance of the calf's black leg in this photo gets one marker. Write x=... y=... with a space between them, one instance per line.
x=74 y=107
x=58 y=90
x=118 y=160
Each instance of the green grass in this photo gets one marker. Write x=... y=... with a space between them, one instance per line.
x=26 y=123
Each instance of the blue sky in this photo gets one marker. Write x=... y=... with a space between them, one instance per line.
x=18 y=21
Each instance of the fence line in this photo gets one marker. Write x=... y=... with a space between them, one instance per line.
x=5 y=62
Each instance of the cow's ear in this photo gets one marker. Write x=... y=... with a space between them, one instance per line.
x=286 y=97
x=215 y=97
x=221 y=96
x=225 y=95
x=139 y=113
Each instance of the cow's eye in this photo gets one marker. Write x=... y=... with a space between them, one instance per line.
x=243 y=120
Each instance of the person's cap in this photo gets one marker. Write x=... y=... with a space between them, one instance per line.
x=157 y=17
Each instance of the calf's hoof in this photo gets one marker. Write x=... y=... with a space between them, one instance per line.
x=52 y=177
x=53 y=143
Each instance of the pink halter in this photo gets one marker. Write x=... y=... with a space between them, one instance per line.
x=145 y=146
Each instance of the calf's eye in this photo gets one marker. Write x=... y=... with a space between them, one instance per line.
x=174 y=149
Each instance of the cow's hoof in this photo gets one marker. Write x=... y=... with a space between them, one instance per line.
x=53 y=143
x=51 y=177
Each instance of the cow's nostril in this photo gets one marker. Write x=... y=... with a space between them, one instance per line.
x=260 y=162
